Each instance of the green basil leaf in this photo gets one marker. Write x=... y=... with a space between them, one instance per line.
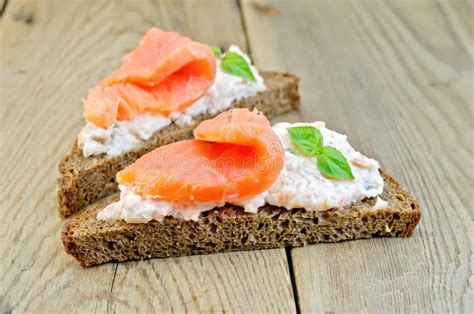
x=235 y=64
x=217 y=51
x=333 y=164
x=307 y=140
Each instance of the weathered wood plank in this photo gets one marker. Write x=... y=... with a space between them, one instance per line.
x=397 y=77
x=51 y=53
x=243 y=282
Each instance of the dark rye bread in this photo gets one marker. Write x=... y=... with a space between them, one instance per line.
x=84 y=180
x=92 y=242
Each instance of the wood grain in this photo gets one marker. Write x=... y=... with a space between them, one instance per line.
x=243 y=282
x=51 y=53
x=397 y=77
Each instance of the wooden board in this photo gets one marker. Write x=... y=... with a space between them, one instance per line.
x=397 y=76
x=52 y=52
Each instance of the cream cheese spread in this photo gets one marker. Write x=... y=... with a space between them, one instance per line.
x=380 y=204
x=134 y=208
x=300 y=185
x=124 y=136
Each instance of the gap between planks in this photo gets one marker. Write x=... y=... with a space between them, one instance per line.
x=3 y=7
x=294 y=286
x=110 y=300
x=244 y=28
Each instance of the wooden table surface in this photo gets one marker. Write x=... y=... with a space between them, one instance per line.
x=396 y=76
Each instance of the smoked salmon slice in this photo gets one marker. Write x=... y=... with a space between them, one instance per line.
x=234 y=156
x=167 y=72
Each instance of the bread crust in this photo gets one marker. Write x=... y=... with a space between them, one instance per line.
x=229 y=228
x=84 y=180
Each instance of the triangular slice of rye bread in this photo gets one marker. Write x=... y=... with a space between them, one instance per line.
x=229 y=228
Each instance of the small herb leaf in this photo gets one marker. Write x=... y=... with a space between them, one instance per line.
x=307 y=140
x=333 y=164
x=235 y=64
x=217 y=51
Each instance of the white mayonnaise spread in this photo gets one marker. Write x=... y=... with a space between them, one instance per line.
x=300 y=185
x=124 y=136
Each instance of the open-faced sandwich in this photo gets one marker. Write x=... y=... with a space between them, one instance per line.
x=242 y=184
x=162 y=91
